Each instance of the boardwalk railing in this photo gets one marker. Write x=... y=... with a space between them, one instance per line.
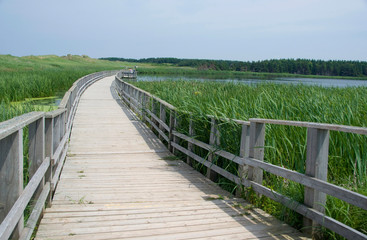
x=47 y=144
x=251 y=158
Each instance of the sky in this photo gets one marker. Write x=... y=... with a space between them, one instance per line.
x=245 y=30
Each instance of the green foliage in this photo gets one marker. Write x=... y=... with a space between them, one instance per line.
x=284 y=146
x=292 y=66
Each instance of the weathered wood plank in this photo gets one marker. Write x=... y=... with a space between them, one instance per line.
x=11 y=176
x=15 y=124
x=316 y=166
x=36 y=214
x=16 y=212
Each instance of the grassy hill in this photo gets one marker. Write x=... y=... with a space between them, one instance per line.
x=42 y=76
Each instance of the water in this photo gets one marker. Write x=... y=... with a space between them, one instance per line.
x=47 y=101
x=324 y=82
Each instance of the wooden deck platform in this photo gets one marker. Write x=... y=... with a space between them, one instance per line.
x=120 y=182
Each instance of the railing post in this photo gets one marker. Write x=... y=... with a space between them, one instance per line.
x=214 y=140
x=57 y=135
x=171 y=128
x=36 y=145
x=36 y=151
x=49 y=150
x=190 y=146
x=173 y=124
x=316 y=166
x=153 y=112
x=162 y=116
x=244 y=152
x=143 y=106
x=11 y=175
x=256 y=150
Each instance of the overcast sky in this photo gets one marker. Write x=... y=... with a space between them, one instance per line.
x=206 y=29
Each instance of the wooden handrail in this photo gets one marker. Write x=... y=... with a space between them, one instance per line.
x=251 y=156
x=48 y=142
x=324 y=126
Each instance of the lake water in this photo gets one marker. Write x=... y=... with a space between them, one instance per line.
x=307 y=81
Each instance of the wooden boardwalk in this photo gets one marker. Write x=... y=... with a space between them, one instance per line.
x=120 y=182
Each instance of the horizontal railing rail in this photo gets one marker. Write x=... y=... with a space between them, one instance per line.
x=48 y=134
x=251 y=165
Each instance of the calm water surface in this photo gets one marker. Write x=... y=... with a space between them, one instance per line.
x=307 y=81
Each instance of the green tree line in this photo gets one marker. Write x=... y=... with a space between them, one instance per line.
x=293 y=66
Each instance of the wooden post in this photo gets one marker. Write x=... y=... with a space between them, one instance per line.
x=153 y=112
x=173 y=124
x=129 y=98
x=171 y=128
x=316 y=166
x=49 y=136
x=36 y=153
x=11 y=175
x=214 y=140
x=36 y=145
x=190 y=146
x=244 y=152
x=256 y=150
x=140 y=101
x=162 y=116
x=57 y=132
x=143 y=106
x=49 y=150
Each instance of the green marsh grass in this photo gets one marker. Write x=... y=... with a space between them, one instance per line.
x=284 y=146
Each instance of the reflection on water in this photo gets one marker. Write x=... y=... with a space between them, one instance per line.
x=307 y=81
x=49 y=101
x=52 y=101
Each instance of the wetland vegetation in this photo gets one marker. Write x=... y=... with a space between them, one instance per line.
x=22 y=79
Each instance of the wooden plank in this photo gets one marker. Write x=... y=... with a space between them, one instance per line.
x=36 y=150
x=55 y=113
x=162 y=124
x=57 y=155
x=12 y=218
x=15 y=124
x=190 y=146
x=256 y=149
x=244 y=152
x=214 y=140
x=36 y=214
x=316 y=166
x=11 y=175
x=351 y=197
x=55 y=177
x=162 y=117
x=57 y=122
x=160 y=132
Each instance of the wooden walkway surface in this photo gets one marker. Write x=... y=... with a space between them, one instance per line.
x=120 y=182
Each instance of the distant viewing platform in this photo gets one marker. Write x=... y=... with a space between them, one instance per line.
x=129 y=73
